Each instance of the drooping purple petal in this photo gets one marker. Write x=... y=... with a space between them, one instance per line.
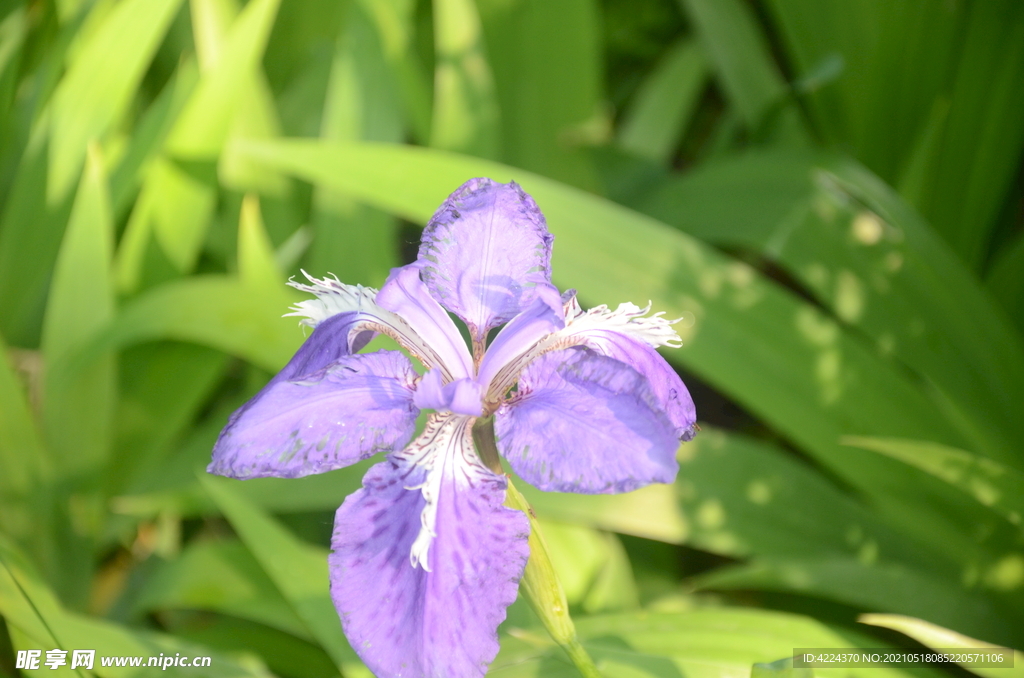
x=405 y=295
x=348 y=410
x=329 y=342
x=670 y=391
x=406 y=620
x=484 y=252
x=583 y=422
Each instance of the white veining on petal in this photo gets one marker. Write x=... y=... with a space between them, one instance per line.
x=586 y=328
x=333 y=296
x=445 y=450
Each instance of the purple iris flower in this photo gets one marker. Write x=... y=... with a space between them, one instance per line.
x=426 y=556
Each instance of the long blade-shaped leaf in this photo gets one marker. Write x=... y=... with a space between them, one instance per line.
x=867 y=256
x=98 y=86
x=937 y=637
x=739 y=52
x=546 y=61
x=204 y=123
x=299 y=571
x=79 y=411
x=878 y=586
x=999 y=487
x=29 y=607
x=466 y=114
x=657 y=119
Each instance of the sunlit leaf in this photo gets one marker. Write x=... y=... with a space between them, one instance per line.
x=867 y=256
x=877 y=586
x=999 y=487
x=30 y=607
x=937 y=637
x=466 y=113
x=704 y=643
x=298 y=570
x=98 y=86
x=546 y=61
x=78 y=411
x=203 y=125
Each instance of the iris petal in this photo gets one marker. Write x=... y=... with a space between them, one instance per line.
x=583 y=422
x=484 y=252
x=351 y=409
x=407 y=298
x=416 y=622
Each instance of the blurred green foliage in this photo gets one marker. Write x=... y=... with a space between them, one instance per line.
x=827 y=192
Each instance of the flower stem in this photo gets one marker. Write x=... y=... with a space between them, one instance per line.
x=544 y=591
x=483 y=436
x=540 y=583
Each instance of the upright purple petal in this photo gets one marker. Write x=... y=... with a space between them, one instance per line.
x=583 y=422
x=519 y=341
x=440 y=619
x=484 y=252
x=346 y=411
x=405 y=295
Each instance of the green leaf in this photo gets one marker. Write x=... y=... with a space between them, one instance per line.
x=298 y=570
x=878 y=586
x=220 y=576
x=25 y=465
x=655 y=122
x=742 y=497
x=651 y=512
x=896 y=60
x=937 y=637
x=257 y=267
x=999 y=487
x=546 y=61
x=158 y=402
x=22 y=455
x=592 y=566
x=30 y=608
x=869 y=258
x=78 y=411
x=216 y=311
x=284 y=654
x=395 y=23
x=30 y=236
x=149 y=135
x=322 y=492
x=175 y=205
x=981 y=142
x=739 y=53
x=97 y=89
x=782 y=668
x=466 y=116
x=351 y=240
x=1005 y=282
x=929 y=90
x=202 y=128
x=702 y=643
